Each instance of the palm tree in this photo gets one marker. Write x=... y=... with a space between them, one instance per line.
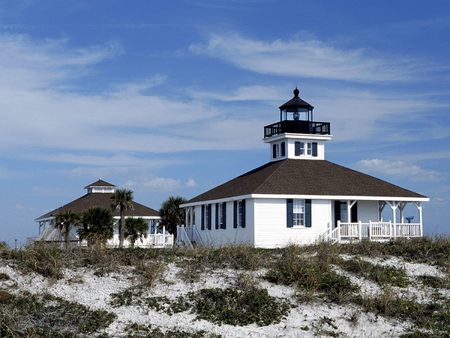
x=171 y=214
x=122 y=200
x=135 y=228
x=64 y=221
x=97 y=225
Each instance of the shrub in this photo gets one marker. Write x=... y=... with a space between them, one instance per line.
x=310 y=276
x=150 y=272
x=42 y=258
x=434 y=282
x=428 y=250
x=238 y=307
x=430 y=316
x=49 y=316
x=383 y=275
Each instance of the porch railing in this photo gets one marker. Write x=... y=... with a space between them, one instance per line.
x=346 y=231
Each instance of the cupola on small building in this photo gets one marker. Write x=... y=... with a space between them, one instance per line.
x=98 y=194
x=299 y=197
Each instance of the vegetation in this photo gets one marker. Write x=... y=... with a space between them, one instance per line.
x=136 y=330
x=311 y=270
x=383 y=275
x=312 y=275
x=65 y=221
x=171 y=213
x=97 y=226
x=122 y=200
x=28 y=315
x=135 y=228
x=234 y=306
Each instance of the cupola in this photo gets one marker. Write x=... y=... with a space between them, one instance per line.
x=100 y=186
x=297 y=135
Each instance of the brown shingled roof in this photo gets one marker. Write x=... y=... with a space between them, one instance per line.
x=100 y=183
x=305 y=177
x=100 y=200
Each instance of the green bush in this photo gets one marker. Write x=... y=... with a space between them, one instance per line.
x=311 y=276
x=48 y=316
x=238 y=307
x=383 y=275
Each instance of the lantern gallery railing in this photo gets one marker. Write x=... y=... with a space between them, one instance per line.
x=299 y=127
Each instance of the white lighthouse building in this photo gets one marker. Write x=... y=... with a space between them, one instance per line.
x=299 y=197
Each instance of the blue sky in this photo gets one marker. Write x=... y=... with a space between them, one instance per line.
x=170 y=97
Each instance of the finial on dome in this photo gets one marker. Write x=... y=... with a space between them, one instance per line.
x=296 y=92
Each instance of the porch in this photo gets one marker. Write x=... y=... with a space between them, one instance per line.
x=373 y=231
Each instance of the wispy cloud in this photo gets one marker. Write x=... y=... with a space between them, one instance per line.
x=398 y=168
x=308 y=58
x=244 y=93
x=160 y=184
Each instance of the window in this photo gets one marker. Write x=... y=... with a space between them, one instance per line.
x=299 y=148
x=239 y=214
x=283 y=149
x=309 y=148
x=208 y=216
x=298 y=212
x=221 y=212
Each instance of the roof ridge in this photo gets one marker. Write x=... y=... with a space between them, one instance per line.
x=281 y=163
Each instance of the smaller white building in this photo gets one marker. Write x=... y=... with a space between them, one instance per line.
x=298 y=197
x=99 y=194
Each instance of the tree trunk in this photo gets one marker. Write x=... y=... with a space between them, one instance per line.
x=121 y=228
x=67 y=235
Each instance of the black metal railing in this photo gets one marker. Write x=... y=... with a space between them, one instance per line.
x=298 y=127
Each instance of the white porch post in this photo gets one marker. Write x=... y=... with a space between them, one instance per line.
x=394 y=206
x=419 y=208
x=381 y=205
x=402 y=206
x=359 y=230
x=350 y=205
x=370 y=230
x=339 y=231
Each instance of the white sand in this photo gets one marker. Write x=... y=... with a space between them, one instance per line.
x=84 y=287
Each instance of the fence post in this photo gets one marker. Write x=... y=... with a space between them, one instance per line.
x=339 y=231
x=370 y=230
x=359 y=230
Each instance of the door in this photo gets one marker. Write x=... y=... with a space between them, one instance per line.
x=340 y=212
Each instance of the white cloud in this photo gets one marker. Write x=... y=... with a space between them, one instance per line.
x=307 y=58
x=398 y=168
x=37 y=114
x=245 y=93
x=191 y=183
x=119 y=160
x=159 y=184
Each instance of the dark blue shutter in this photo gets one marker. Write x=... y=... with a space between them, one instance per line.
x=290 y=213
x=314 y=149
x=297 y=148
x=203 y=217
x=243 y=213
x=224 y=215
x=283 y=149
x=209 y=217
x=274 y=151
x=308 y=213
x=217 y=215
x=235 y=214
